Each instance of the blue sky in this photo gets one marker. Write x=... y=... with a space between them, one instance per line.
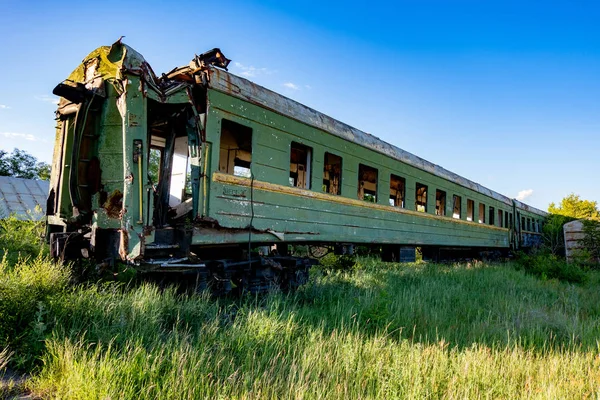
x=504 y=93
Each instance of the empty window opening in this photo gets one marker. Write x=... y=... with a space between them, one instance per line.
x=522 y=223
x=421 y=198
x=440 y=202
x=179 y=167
x=155 y=164
x=510 y=221
x=492 y=213
x=470 y=210
x=500 y=218
x=397 y=190
x=300 y=160
x=456 y=207
x=332 y=174
x=367 y=183
x=481 y=213
x=506 y=225
x=235 y=149
x=529 y=224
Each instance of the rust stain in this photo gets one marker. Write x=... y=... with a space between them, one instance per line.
x=114 y=205
x=123 y=244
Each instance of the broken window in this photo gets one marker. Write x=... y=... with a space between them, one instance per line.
x=236 y=149
x=470 y=210
x=481 y=213
x=506 y=225
x=367 y=183
x=397 y=190
x=155 y=164
x=529 y=224
x=300 y=161
x=510 y=221
x=421 y=198
x=456 y=206
x=492 y=213
x=500 y=218
x=523 y=223
x=440 y=202
x=332 y=174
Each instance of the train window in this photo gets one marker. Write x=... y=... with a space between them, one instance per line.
x=470 y=210
x=235 y=149
x=523 y=223
x=332 y=174
x=421 y=198
x=300 y=160
x=506 y=219
x=529 y=224
x=440 y=202
x=510 y=221
x=155 y=164
x=456 y=206
x=492 y=213
x=397 y=190
x=367 y=183
x=481 y=213
x=500 y=218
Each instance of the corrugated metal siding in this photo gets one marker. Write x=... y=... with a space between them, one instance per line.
x=21 y=196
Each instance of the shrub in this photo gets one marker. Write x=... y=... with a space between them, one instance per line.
x=549 y=266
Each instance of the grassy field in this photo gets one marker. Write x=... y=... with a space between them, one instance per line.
x=380 y=331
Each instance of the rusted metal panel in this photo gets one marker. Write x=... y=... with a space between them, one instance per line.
x=246 y=90
x=530 y=209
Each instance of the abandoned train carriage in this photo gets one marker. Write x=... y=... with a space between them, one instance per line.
x=200 y=161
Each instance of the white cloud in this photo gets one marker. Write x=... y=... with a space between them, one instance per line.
x=25 y=136
x=523 y=194
x=252 y=71
x=4 y=107
x=46 y=99
x=291 y=85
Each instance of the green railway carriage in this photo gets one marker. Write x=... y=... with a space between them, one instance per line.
x=201 y=164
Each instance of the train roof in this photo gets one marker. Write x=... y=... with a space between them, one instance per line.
x=118 y=57
x=244 y=89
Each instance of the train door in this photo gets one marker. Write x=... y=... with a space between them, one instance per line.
x=173 y=162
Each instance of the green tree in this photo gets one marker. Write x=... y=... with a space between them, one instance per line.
x=21 y=164
x=552 y=233
x=574 y=207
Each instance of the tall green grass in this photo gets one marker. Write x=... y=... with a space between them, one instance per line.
x=382 y=331
x=379 y=331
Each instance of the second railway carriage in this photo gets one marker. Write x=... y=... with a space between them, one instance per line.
x=200 y=164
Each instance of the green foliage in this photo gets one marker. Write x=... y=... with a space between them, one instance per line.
x=382 y=330
x=590 y=242
x=553 y=234
x=332 y=262
x=21 y=164
x=154 y=165
x=574 y=207
x=21 y=239
x=25 y=292
x=549 y=266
